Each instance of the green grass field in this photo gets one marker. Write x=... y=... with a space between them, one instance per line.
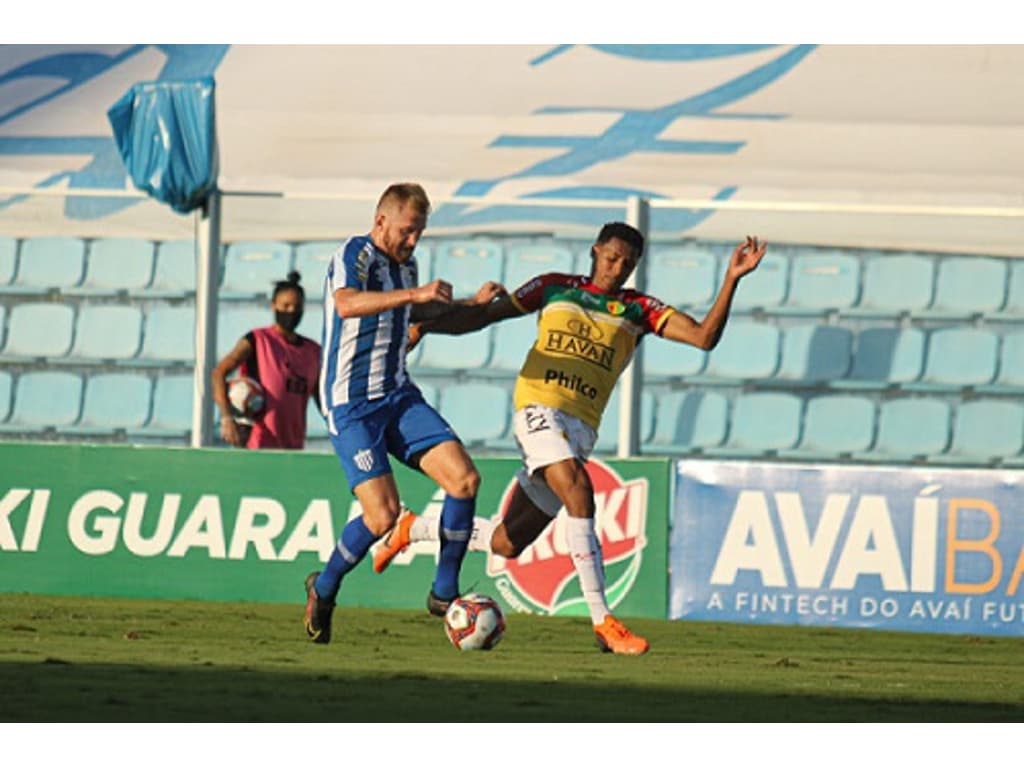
x=112 y=660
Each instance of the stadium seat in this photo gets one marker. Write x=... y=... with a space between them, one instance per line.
x=115 y=265
x=47 y=264
x=311 y=260
x=966 y=287
x=233 y=322
x=747 y=350
x=895 y=285
x=608 y=434
x=958 y=357
x=44 y=400
x=814 y=353
x=317 y=437
x=1013 y=308
x=171 y=416
x=252 y=267
x=312 y=324
x=424 y=254
x=820 y=283
x=430 y=392
x=169 y=336
x=885 y=357
x=113 y=401
x=467 y=264
x=3 y=325
x=6 y=386
x=762 y=423
x=477 y=411
x=467 y=352
x=909 y=429
x=985 y=432
x=38 y=330
x=835 y=426
x=8 y=260
x=689 y=422
x=524 y=262
x=682 y=276
x=174 y=271
x=1010 y=378
x=665 y=360
x=513 y=338
x=106 y=332
x=763 y=289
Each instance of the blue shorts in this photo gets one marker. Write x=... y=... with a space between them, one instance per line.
x=401 y=423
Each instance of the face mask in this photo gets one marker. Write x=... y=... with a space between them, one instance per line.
x=289 y=321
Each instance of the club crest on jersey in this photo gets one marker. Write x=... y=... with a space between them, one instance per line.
x=363 y=459
x=616 y=308
x=543 y=579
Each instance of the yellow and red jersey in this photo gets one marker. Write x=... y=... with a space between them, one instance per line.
x=585 y=338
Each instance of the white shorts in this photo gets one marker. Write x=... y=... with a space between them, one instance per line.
x=546 y=436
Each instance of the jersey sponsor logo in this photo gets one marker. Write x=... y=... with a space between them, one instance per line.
x=363 y=459
x=543 y=578
x=574 y=382
x=580 y=347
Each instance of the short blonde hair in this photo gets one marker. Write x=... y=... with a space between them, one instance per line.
x=406 y=193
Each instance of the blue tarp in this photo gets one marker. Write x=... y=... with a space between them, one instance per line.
x=167 y=135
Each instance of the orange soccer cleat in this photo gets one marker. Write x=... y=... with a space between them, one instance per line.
x=613 y=637
x=394 y=542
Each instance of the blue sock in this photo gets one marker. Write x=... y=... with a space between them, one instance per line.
x=356 y=540
x=456 y=528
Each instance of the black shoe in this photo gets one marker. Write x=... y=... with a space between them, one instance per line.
x=318 y=612
x=436 y=605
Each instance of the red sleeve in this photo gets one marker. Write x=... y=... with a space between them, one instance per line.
x=529 y=297
x=655 y=313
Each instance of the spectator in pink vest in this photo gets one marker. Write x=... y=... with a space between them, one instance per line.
x=284 y=363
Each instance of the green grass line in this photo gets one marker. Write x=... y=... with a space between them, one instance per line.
x=114 y=660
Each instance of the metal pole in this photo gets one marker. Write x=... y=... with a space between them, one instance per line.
x=207 y=274
x=638 y=215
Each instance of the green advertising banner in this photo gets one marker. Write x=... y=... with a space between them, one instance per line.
x=249 y=525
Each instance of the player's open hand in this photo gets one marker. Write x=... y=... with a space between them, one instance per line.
x=747 y=256
x=488 y=292
x=229 y=432
x=436 y=290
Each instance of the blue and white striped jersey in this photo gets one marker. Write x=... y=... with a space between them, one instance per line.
x=363 y=357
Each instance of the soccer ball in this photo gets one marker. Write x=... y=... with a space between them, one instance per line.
x=246 y=398
x=474 y=622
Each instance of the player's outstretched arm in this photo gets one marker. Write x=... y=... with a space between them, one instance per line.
x=466 y=318
x=353 y=302
x=706 y=333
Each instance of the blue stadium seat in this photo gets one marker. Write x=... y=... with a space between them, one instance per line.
x=1010 y=379
x=174 y=271
x=171 y=416
x=608 y=434
x=38 y=330
x=45 y=400
x=909 y=429
x=312 y=324
x=763 y=423
x=764 y=288
x=958 y=357
x=665 y=360
x=820 y=283
x=468 y=352
x=431 y=392
x=8 y=260
x=966 y=287
x=47 y=264
x=113 y=401
x=689 y=422
x=115 y=265
x=835 y=426
x=424 y=254
x=815 y=353
x=682 y=276
x=252 y=267
x=106 y=332
x=1013 y=308
x=885 y=357
x=895 y=285
x=524 y=262
x=6 y=386
x=317 y=438
x=311 y=260
x=233 y=322
x=986 y=431
x=477 y=411
x=747 y=350
x=3 y=325
x=467 y=264
x=513 y=338
x=169 y=336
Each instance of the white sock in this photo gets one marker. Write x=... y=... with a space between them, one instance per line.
x=428 y=529
x=586 y=556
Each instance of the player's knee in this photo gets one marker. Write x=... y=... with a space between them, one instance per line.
x=380 y=519
x=502 y=545
x=465 y=485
